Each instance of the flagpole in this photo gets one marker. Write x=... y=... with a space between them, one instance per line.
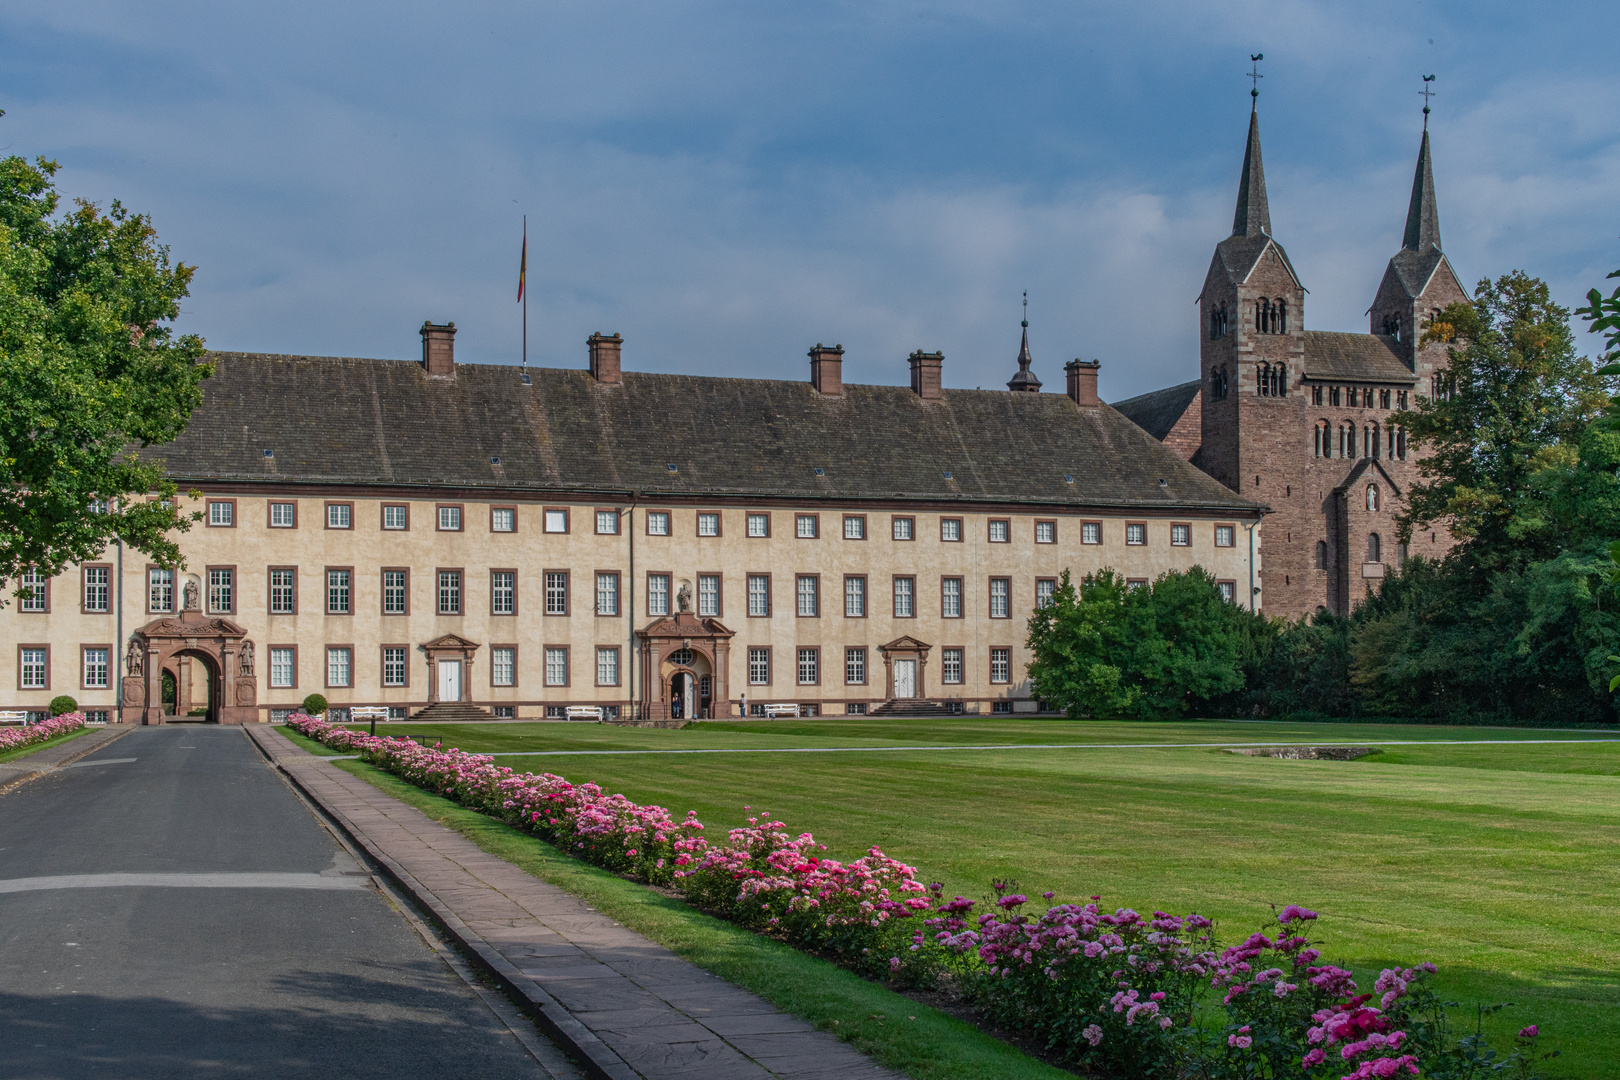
x=525 y=272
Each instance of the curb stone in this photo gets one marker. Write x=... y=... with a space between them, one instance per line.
x=14 y=774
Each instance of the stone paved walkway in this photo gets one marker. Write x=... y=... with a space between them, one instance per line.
x=624 y=1005
x=46 y=761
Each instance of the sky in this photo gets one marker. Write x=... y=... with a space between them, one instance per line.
x=727 y=184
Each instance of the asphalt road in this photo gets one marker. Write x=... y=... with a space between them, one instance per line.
x=185 y=915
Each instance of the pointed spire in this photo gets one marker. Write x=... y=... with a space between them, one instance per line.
x=1423 y=216
x=1253 y=217
x=1025 y=379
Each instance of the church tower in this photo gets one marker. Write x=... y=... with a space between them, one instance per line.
x=1252 y=314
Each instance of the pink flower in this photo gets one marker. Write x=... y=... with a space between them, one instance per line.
x=1294 y=911
x=1242 y=1042
x=1092 y=1034
x=1530 y=1032
x=1314 y=1058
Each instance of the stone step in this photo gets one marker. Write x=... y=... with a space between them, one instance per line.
x=454 y=712
x=909 y=707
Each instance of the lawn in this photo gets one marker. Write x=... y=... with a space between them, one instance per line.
x=34 y=748
x=1494 y=860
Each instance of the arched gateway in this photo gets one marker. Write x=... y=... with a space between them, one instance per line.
x=686 y=668
x=218 y=645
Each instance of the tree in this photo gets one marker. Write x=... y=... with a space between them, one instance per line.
x=1515 y=400
x=91 y=370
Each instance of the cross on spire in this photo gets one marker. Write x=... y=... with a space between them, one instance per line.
x=1255 y=76
x=1428 y=80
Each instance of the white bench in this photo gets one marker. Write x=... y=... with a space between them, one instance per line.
x=774 y=711
x=361 y=713
x=584 y=712
x=13 y=716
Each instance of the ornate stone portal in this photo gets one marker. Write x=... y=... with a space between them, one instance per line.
x=674 y=653
x=219 y=645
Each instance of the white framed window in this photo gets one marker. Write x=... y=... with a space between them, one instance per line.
x=502 y=592
x=503 y=519
x=607 y=593
x=759 y=596
x=339 y=592
x=97 y=669
x=658 y=594
x=449 y=519
x=759 y=525
x=222 y=514
x=759 y=667
x=1000 y=597
x=1000 y=665
x=905 y=597
x=393 y=666
x=283 y=515
x=950 y=598
x=556 y=666
x=338 y=666
x=607 y=665
x=805 y=526
x=903 y=527
x=1225 y=535
x=854 y=527
x=708 y=524
x=1135 y=534
x=1045 y=589
x=35 y=673
x=339 y=515
x=950 y=666
x=809 y=598
x=395 y=516
x=657 y=523
x=1228 y=590
x=281 y=668
x=1180 y=535
x=1091 y=532
x=1046 y=532
x=160 y=590
x=449 y=592
x=950 y=530
x=809 y=667
x=607 y=522
x=222 y=591
x=556 y=521
x=855 y=666
x=394 y=585
x=1000 y=530
x=709 y=594
x=556 y=592
x=283 y=591
x=855 y=598
x=34 y=597
x=97 y=588
x=503 y=666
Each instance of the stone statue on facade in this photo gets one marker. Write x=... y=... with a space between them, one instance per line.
x=191 y=596
x=135 y=661
x=683 y=597
x=244 y=659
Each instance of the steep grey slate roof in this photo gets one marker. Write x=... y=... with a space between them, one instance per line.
x=332 y=420
x=1357 y=357
x=1157 y=412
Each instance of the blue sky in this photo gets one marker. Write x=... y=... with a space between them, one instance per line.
x=727 y=184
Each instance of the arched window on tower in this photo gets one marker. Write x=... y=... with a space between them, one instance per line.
x=1372 y=500
x=1321 y=554
x=1217 y=383
x=1374 y=441
x=1392 y=325
x=1324 y=439
x=1374 y=548
x=1280 y=316
x=1218 y=321
x=1400 y=443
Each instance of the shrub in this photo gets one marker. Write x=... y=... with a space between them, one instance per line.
x=315 y=705
x=13 y=738
x=61 y=703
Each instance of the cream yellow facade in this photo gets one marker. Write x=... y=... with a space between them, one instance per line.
x=564 y=632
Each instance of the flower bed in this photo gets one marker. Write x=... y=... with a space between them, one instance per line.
x=1115 y=992
x=15 y=738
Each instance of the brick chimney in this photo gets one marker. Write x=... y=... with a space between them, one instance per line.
x=925 y=374
x=605 y=358
x=827 y=369
x=1083 y=382
x=439 y=348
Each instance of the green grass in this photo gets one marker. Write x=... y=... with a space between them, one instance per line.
x=24 y=751
x=902 y=1034
x=1495 y=861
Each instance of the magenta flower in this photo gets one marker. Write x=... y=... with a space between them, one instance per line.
x=1530 y=1032
x=1294 y=911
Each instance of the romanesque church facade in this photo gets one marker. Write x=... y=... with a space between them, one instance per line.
x=1307 y=421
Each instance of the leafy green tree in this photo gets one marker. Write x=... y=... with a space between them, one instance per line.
x=1108 y=650
x=1517 y=399
x=90 y=370
x=1306 y=671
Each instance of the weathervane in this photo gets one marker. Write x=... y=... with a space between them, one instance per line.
x=1254 y=74
x=1025 y=323
x=1428 y=80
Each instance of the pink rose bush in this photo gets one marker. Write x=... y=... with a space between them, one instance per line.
x=14 y=738
x=1116 y=992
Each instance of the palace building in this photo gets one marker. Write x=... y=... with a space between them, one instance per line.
x=469 y=540
x=1306 y=421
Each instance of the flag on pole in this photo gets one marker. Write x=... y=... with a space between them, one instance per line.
x=523 y=263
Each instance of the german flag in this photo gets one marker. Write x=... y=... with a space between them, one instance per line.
x=523 y=262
